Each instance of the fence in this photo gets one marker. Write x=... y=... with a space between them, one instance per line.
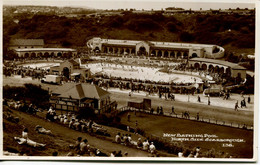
x=193 y=118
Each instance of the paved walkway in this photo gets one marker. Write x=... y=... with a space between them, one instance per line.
x=215 y=101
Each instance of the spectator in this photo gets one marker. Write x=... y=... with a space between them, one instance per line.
x=161 y=110
x=191 y=155
x=173 y=112
x=99 y=153
x=145 y=145
x=119 y=154
x=128 y=117
x=42 y=130
x=197 y=151
x=71 y=152
x=130 y=138
x=236 y=106
x=198 y=98
x=77 y=145
x=71 y=123
x=152 y=148
x=180 y=155
x=66 y=121
x=139 y=143
x=118 y=138
x=25 y=133
x=126 y=140
x=84 y=147
x=125 y=154
x=158 y=110
x=244 y=102
x=249 y=99
x=152 y=110
x=113 y=154
x=29 y=142
x=55 y=153
x=61 y=118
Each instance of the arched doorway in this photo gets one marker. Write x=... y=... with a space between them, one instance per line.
x=46 y=54
x=59 y=54
x=172 y=54
x=159 y=53
x=197 y=66
x=216 y=70
x=153 y=53
x=194 y=55
x=211 y=68
x=204 y=67
x=120 y=50
x=133 y=51
x=33 y=55
x=179 y=55
x=142 y=51
x=66 y=72
x=52 y=54
x=166 y=54
x=65 y=55
x=97 y=50
x=185 y=55
x=116 y=50
x=110 y=50
x=221 y=70
x=127 y=50
x=39 y=54
x=26 y=55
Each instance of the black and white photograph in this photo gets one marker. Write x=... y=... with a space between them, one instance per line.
x=140 y=80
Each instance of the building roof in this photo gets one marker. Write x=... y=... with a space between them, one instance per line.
x=27 y=42
x=220 y=62
x=154 y=43
x=73 y=62
x=80 y=91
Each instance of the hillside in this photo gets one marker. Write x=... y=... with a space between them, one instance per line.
x=231 y=31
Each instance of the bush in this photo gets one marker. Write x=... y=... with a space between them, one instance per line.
x=30 y=92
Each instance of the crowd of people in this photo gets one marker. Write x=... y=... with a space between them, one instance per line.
x=35 y=73
x=242 y=103
x=74 y=122
x=126 y=139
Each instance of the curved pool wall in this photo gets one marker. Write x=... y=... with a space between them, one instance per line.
x=130 y=72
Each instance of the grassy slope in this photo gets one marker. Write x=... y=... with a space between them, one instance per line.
x=157 y=125
x=62 y=138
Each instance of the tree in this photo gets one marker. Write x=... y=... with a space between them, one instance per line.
x=10 y=55
x=171 y=27
x=186 y=36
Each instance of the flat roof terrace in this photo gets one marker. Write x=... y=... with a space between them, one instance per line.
x=155 y=43
x=45 y=49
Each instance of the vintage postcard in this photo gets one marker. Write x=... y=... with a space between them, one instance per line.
x=129 y=80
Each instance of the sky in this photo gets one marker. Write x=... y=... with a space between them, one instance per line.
x=138 y=4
